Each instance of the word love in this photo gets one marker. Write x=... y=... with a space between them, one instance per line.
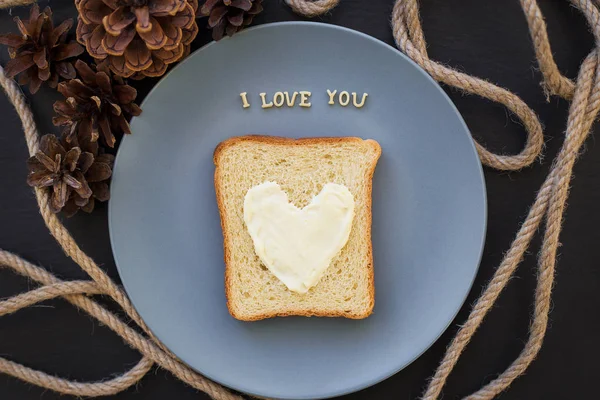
x=302 y=99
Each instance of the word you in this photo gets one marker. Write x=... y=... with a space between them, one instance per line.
x=280 y=99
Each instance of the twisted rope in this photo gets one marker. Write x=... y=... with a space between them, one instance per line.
x=15 y=3
x=312 y=8
x=408 y=34
x=550 y=201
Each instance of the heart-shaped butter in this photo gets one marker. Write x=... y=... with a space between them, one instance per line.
x=297 y=245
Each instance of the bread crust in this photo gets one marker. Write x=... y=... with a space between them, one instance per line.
x=227 y=251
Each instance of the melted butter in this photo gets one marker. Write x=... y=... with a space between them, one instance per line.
x=297 y=245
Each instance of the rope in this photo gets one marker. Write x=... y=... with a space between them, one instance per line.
x=312 y=8
x=15 y=3
x=105 y=388
x=409 y=37
x=548 y=208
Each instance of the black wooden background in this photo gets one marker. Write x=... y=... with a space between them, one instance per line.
x=485 y=38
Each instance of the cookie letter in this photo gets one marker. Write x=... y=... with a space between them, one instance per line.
x=278 y=99
x=362 y=101
x=331 y=94
x=264 y=101
x=245 y=103
x=344 y=98
x=292 y=101
x=304 y=95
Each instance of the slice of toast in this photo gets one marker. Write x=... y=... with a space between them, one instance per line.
x=301 y=167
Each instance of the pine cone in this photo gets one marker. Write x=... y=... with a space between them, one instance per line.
x=40 y=53
x=77 y=174
x=98 y=103
x=138 y=37
x=226 y=17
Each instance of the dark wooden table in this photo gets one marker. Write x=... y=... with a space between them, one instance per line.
x=485 y=38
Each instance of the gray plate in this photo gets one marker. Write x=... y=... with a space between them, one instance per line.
x=429 y=208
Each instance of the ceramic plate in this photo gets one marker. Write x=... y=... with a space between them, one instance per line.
x=429 y=208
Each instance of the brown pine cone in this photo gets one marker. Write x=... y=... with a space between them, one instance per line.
x=138 y=37
x=97 y=104
x=77 y=174
x=226 y=17
x=40 y=54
